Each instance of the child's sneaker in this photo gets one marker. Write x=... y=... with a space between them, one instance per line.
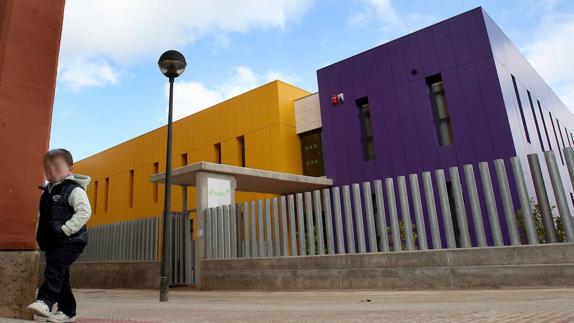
x=59 y=316
x=39 y=308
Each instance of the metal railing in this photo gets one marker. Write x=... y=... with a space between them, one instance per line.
x=182 y=250
x=367 y=217
x=139 y=240
x=135 y=240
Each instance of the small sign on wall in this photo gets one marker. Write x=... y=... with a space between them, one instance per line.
x=337 y=99
x=218 y=192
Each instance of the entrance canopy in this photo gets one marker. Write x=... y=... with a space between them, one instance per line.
x=247 y=179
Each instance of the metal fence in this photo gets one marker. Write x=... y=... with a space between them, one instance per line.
x=181 y=258
x=368 y=217
x=139 y=240
x=135 y=240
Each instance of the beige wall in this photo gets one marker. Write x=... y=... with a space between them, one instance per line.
x=307 y=113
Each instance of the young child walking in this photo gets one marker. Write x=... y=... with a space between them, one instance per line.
x=62 y=235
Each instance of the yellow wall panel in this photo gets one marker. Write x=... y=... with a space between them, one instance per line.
x=263 y=116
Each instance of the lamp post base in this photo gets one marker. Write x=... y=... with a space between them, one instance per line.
x=163 y=289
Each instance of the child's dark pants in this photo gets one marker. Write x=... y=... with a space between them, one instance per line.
x=56 y=287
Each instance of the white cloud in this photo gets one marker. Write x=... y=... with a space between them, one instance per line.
x=86 y=73
x=551 y=55
x=380 y=9
x=118 y=33
x=191 y=97
x=384 y=13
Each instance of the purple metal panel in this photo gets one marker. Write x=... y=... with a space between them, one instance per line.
x=474 y=106
x=479 y=42
x=407 y=123
x=428 y=53
x=476 y=61
x=459 y=119
x=424 y=121
x=412 y=56
x=385 y=75
x=393 y=138
x=398 y=64
x=460 y=41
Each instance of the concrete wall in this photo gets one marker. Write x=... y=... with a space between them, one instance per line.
x=525 y=266
x=18 y=273
x=118 y=274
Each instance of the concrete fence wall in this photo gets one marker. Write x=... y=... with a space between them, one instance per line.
x=113 y=274
x=510 y=266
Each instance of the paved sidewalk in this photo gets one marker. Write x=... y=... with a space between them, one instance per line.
x=526 y=305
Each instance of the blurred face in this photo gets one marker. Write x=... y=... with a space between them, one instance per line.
x=57 y=170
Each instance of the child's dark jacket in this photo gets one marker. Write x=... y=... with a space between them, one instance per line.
x=64 y=211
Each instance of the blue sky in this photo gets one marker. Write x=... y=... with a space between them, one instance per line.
x=109 y=88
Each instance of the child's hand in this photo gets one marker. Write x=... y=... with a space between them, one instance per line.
x=57 y=230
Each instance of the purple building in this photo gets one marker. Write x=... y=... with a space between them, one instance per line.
x=457 y=92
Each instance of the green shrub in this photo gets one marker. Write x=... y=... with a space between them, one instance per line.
x=537 y=216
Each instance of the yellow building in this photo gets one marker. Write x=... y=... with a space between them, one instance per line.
x=255 y=129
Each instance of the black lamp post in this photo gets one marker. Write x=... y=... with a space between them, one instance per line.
x=171 y=64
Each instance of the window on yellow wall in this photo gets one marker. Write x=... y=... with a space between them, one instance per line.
x=218 y=153
x=241 y=150
x=131 y=191
x=183 y=159
x=106 y=194
x=155 y=185
x=95 y=197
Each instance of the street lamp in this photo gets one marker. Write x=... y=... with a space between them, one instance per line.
x=171 y=64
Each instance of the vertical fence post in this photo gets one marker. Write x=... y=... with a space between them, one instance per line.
x=359 y=218
x=148 y=235
x=284 y=228
x=393 y=214
x=338 y=220
x=328 y=221
x=460 y=208
x=276 y=246
x=526 y=211
x=569 y=154
x=226 y=233
x=369 y=213
x=309 y=221
x=406 y=212
x=348 y=219
x=220 y=233
x=431 y=210
x=268 y=241
x=319 y=222
x=380 y=218
x=208 y=235
x=445 y=209
x=260 y=229
x=246 y=238
x=560 y=195
x=301 y=225
x=215 y=238
x=474 y=205
x=254 y=249
x=418 y=209
x=292 y=230
x=507 y=202
x=490 y=202
x=542 y=198
x=233 y=228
